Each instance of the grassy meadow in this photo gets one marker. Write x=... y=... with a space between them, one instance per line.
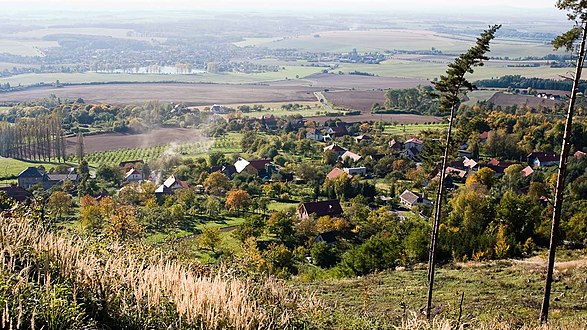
x=509 y=291
x=288 y=72
x=12 y=167
x=429 y=70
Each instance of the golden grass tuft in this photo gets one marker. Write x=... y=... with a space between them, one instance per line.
x=142 y=289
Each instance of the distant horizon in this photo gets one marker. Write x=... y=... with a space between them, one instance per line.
x=457 y=6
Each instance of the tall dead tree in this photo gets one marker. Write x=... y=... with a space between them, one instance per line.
x=578 y=14
x=450 y=89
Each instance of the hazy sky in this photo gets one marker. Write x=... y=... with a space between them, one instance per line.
x=277 y=4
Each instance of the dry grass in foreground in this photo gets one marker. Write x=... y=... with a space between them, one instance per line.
x=56 y=281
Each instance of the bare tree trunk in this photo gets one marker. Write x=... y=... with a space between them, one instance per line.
x=438 y=214
x=560 y=180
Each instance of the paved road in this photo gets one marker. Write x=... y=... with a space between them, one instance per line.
x=322 y=100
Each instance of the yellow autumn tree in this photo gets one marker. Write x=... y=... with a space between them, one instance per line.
x=237 y=199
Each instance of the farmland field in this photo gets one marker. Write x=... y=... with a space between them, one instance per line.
x=504 y=99
x=25 y=48
x=388 y=118
x=416 y=69
x=290 y=72
x=402 y=39
x=192 y=94
x=275 y=108
x=153 y=145
x=356 y=100
x=156 y=137
x=353 y=82
x=412 y=129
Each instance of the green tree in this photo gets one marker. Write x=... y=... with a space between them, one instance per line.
x=324 y=254
x=59 y=203
x=485 y=176
x=450 y=88
x=210 y=238
x=578 y=13
x=109 y=173
x=216 y=184
x=281 y=225
x=329 y=157
x=215 y=158
x=212 y=205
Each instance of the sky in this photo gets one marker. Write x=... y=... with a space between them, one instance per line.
x=277 y=4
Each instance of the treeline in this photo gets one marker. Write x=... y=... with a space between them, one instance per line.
x=34 y=138
x=517 y=81
x=417 y=100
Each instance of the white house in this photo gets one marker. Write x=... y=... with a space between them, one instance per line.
x=362 y=171
x=133 y=175
x=413 y=147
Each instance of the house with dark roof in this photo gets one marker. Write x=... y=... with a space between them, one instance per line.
x=395 y=145
x=31 y=176
x=498 y=166
x=331 y=208
x=294 y=124
x=269 y=121
x=55 y=179
x=253 y=167
x=315 y=134
x=17 y=193
x=413 y=147
x=337 y=131
x=328 y=237
x=131 y=163
x=410 y=199
x=336 y=148
x=537 y=159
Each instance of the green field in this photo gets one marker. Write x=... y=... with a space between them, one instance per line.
x=281 y=206
x=478 y=96
x=431 y=70
x=25 y=48
x=404 y=39
x=275 y=108
x=290 y=72
x=10 y=166
x=391 y=68
x=400 y=129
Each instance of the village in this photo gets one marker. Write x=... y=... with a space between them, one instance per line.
x=335 y=183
